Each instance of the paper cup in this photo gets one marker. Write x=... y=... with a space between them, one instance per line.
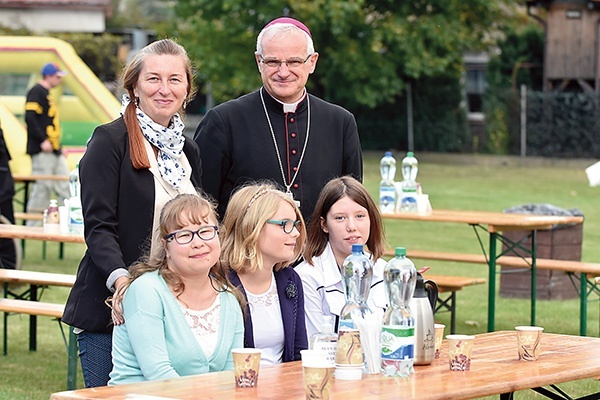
x=459 y=351
x=349 y=350
x=528 y=339
x=318 y=374
x=439 y=336
x=246 y=363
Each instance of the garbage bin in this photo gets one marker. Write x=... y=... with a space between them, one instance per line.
x=562 y=242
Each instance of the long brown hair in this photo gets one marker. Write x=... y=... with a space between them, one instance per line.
x=130 y=76
x=335 y=189
x=178 y=212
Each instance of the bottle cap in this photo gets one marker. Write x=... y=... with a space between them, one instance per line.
x=357 y=248
x=388 y=153
x=327 y=324
x=410 y=154
x=400 y=251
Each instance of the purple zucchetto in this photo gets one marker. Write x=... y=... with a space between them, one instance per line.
x=288 y=20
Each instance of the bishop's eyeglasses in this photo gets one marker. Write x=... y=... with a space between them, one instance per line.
x=291 y=63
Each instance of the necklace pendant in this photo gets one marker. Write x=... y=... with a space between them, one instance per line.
x=291 y=196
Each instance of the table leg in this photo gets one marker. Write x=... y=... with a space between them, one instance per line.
x=25 y=196
x=583 y=295
x=5 y=326
x=492 y=282
x=533 y=274
x=33 y=322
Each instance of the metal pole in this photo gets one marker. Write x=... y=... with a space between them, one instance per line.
x=409 y=117
x=523 y=121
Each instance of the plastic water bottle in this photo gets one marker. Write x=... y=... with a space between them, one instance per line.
x=398 y=330
x=75 y=211
x=410 y=169
x=387 y=189
x=357 y=274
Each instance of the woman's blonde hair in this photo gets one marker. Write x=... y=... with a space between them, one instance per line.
x=130 y=76
x=185 y=209
x=247 y=213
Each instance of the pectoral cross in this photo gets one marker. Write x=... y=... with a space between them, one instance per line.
x=291 y=196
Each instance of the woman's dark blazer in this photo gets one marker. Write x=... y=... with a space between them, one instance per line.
x=291 y=301
x=118 y=209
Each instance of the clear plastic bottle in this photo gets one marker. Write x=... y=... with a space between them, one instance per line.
x=387 y=188
x=325 y=339
x=410 y=169
x=75 y=210
x=357 y=273
x=398 y=330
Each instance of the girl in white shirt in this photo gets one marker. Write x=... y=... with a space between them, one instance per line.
x=345 y=214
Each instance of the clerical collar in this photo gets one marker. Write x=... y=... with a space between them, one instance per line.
x=291 y=107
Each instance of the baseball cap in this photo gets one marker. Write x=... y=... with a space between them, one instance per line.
x=52 y=69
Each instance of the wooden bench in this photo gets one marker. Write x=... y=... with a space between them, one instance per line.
x=582 y=268
x=26 y=302
x=35 y=308
x=451 y=284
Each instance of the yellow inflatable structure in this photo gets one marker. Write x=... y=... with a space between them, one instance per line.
x=84 y=101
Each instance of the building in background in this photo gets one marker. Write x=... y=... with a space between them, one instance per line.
x=56 y=15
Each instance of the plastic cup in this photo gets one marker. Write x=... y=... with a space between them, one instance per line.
x=439 y=336
x=318 y=374
x=528 y=339
x=246 y=363
x=460 y=348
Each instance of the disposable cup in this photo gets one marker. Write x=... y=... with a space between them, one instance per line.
x=528 y=339
x=318 y=374
x=439 y=336
x=460 y=348
x=246 y=363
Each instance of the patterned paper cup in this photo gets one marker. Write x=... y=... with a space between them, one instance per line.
x=459 y=351
x=439 y=336
x=318 y=374
x=246 y=363
x=528 y=339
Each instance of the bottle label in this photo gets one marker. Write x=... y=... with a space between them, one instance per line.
x=387 y=199
x=397 y=343
x=346 y=324
x=329 y=347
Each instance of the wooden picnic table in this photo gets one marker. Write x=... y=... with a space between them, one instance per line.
x=37 y=233
x=495 y=370
x=27 y=179
x=494 y=223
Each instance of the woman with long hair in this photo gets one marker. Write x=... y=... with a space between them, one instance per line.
x=263 y=234
x=181 y=313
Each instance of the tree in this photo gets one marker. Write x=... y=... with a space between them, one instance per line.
x=368 y=48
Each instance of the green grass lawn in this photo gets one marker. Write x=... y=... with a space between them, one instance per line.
x=35 y=375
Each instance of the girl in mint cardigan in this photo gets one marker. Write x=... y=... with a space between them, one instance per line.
x=182 y=315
